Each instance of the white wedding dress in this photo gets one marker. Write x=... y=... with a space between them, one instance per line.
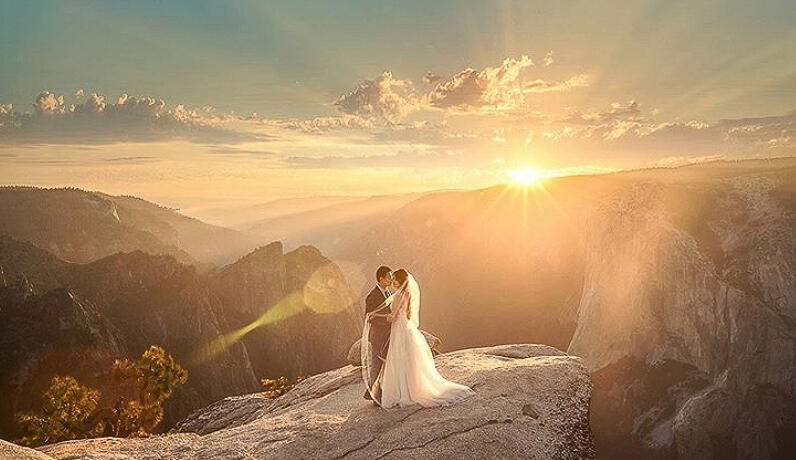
x=409 y=375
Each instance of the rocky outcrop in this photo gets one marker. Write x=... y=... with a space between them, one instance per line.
x=354 y=356
x=530 y=402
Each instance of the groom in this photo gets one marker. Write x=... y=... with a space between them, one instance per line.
x=379 y=326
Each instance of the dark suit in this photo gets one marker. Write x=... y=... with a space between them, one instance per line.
x=379 y=331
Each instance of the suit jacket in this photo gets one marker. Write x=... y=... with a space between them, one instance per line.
x=375 y=300
x=379 y=326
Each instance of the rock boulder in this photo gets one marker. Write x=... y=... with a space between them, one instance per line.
x=354 y=356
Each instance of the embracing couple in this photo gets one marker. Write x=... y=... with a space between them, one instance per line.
x=397 y=363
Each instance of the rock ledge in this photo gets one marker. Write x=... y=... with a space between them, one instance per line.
x=531 y=401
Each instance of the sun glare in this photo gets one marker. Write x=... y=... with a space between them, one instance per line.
x=524 y=176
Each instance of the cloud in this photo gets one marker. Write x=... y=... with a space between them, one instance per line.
x=431 y=78
x=320 y=125
x=617 y=111
x=6 y=116
x=624 y=128
x=389 y=100
x=128 y=119
x=48 y=103
x=548 y=59
x=496 y=89
x=493 y=87
x=545 y=86
x=383 y=98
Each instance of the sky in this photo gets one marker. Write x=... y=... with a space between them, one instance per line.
x=197 y=104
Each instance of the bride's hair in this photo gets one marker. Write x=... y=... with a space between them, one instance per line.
x=400 y=276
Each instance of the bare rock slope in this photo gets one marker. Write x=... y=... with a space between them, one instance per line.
x=13 y=451
x=531 y=401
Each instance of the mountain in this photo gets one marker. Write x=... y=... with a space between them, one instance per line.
x=531 y=402
x=82 y=226
x=313 y=319
x=240 y=216
x=119 y=305
x=326 y=227
x=676 y=286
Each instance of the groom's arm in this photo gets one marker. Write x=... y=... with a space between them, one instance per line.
x=372 y=303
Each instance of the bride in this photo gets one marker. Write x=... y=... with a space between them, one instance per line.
x=408 y=375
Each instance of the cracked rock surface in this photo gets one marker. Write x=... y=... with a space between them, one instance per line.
x=531 y=401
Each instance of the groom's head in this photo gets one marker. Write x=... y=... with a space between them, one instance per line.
x=384 y=276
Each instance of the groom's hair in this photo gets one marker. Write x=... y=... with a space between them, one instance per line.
x=382 y=272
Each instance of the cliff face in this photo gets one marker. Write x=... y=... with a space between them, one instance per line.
x=531 y=402
x=210 y=322
x=700 y=275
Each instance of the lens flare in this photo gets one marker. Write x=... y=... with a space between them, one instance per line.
x=290 y=305
x=325 y=292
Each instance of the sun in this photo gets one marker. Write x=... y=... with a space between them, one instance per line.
x=524 y=176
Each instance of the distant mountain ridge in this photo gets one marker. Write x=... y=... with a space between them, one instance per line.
x=326 y=227
x=237 y=216
x=82 y=226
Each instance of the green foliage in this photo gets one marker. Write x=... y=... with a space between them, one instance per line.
x=71 y=411
x=66 y=413
x=279 y=386
x=153 y=378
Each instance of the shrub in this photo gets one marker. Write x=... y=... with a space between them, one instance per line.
x=66 y=413
x=71 y=411
x=152 y=379
x=277 y=387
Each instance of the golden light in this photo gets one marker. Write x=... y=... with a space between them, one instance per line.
x=525 y=176
x=325 y=292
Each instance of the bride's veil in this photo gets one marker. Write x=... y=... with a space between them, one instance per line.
x=366 y=355
x=414 y=300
